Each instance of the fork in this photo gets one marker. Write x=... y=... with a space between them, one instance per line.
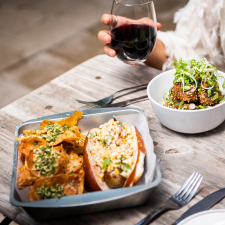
x=178 y=200
x=107 y=100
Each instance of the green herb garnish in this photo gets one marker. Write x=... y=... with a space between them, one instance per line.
x=181 y=104
x=209 y=92
x=125 y=167
x=215 y=97
x=48 y=191
x=202 y=107
x=45 y=160
x=106 y=163
x=122 y=158
x=216 y=89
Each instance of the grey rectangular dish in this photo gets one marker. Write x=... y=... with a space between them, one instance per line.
x=95 y=201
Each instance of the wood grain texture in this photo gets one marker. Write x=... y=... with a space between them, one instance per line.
x=203 y=153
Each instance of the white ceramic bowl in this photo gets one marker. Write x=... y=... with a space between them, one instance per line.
x=184 y=121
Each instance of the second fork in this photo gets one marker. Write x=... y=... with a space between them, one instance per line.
x=178 y=200
x=107 y=100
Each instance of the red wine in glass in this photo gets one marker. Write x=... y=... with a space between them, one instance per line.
x=133 y=42
x=133 y=29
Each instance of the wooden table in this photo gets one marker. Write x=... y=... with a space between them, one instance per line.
x=178 y=154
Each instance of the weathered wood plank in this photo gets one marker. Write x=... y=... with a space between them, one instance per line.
x=203 y=153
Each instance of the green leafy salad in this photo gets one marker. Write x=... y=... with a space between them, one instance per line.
x=197 y=85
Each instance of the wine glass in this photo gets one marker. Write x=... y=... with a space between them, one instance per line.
x=133 y=29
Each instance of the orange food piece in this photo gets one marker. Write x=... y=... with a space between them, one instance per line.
x=60 y=164
x=26 y=178
x=22 y=168
x=70 y=121
x=71 y=184
x=75 y=163
x=68 y=135
x=30 y=143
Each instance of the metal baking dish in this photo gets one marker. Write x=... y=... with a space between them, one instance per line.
x=87 y=202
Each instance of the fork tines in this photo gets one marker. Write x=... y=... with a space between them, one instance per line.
x=187 y=191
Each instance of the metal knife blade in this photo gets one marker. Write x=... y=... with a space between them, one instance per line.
x=204 y=204
x=127 y=102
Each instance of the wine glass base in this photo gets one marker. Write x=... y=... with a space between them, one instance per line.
x=134 y=63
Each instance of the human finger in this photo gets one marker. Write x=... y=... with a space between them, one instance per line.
x=109 y=51
x=104 y=36
x=105 y=19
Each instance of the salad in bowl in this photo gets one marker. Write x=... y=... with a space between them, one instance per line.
x=196 y=85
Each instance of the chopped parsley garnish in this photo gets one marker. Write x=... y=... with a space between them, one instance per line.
x=53 y=131
x=48 y=191
x=45 y=160
x=35 y=143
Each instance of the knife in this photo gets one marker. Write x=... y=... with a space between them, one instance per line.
x=204 y=204
x=127 y=102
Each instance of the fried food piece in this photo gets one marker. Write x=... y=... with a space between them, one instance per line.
x=75 y=163
x=207 y=100
x=53 y=135
x=47 y=161
x=187 y=96
x=56 y=187
x=30 y=143
x=26 y=178
x=68 y=135
x=70 y=121
x=33 y=132
x=75 y=146
x=42 y=162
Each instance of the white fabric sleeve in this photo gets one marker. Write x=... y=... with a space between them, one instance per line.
x=197 y=35
x=176 y=47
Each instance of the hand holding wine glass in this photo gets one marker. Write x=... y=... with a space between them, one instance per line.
x=132 y=32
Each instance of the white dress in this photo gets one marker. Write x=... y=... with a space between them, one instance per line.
x=200 y=32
